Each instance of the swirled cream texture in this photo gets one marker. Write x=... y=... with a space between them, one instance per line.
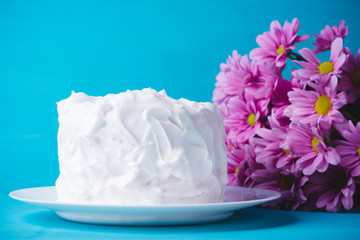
x=140 y=148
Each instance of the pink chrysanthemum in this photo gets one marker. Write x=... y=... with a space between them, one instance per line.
x=351 y=77
x=320 y=106
x=241 y=74
x=271 y=149
x=278 y=114
x=264 y=82
x=244 y=118
x=296 y=82
x=327 y=36
x=275 y=44
x=230 y=78
x=292 y=149
x=289 y=185
x=308 y=143
x=331 y=189
x=314 y=70
x=349 y=149
x=241 y=165
x=236 y=160
x=280 y=97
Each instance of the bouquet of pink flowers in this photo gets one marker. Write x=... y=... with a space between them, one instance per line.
x=298 y=136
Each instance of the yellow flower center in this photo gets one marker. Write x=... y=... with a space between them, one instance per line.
x=287 y=151
x=315 y=142
x=251 y=119
x=323 y=105
x=280 y=50
x=236 y=171
x=359 y=150
x=326 y=67
x=355 y=78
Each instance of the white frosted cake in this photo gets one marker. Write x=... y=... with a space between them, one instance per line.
x=140 y=148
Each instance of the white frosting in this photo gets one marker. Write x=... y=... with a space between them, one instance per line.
x=140 y=148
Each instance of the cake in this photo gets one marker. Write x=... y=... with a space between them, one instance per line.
x=140 y=148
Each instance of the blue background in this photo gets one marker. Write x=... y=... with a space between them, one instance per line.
x=48 y=48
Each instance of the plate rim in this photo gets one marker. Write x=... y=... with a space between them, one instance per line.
x=274 y=195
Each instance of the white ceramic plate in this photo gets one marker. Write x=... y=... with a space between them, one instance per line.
x=236 y=198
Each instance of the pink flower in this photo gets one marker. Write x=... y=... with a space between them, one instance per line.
x=245 y=114
x=351 y=77
x=264 y=81
x=290 y=186
x=278 y=114
x=349 y=149
x=280 y=97
x=296 y=82
x=320 y=106
x=239 y=74
x=331 y=189
x=241 y=165
x=236 y=160
x=230 y=79
x=275 y=44
x=314 y=70
x=327 y=36
x=281 y=134
x=308 y=143
x=271 y=149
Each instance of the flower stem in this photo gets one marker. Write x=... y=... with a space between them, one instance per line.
x=295 y=56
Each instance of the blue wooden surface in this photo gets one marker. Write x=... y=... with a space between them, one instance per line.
x=22 y=221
